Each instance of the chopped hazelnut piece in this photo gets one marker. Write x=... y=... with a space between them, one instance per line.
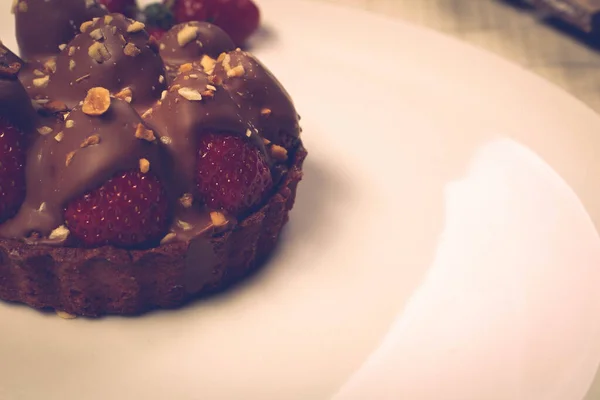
x=71 y=51
x=65 y=315
x=131 y=50
x=215 y=80
x=161 y=79
x=211 y=87
x=174 y=88
x=184 y=225
x=265 y=112
x=147 y=113
x=82 y=78
x=217 y=218
x=162 y=46
x=60 y=233
x=279 y=153
x=63 y=46
x=146 y=134
x=69 y=159
x=41 y=82
x=163 y=95
x=97 y=34
x=44 y=130
x=186 y=35
x=236 y=71
x=168 y=238
x=72 y=65
x=69 y=124
x=166 y=140
x=208 y=93
x=107 y=19
x=59 y=136
x=37 y=72
x=187 y=67
x=266 y=142
x=144 y=165
x=97 y=101
x=50 y=65
x=90 y=141
x=221 y=57
x=98 y=52
x=187 y=200
x=248 y=132
x=136 y=26
x=125 y=94
x=85 y=26
x=190 y=94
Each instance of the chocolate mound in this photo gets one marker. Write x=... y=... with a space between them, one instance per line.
x=189 y=41
x=44 y=25
x=111 y=52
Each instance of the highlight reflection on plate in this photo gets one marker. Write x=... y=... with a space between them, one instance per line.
x=405 y=129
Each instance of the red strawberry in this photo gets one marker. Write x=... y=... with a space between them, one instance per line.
x=232 y=174
x=126 y=7
x=239 y=18
x=12 y=170
x=130 y=210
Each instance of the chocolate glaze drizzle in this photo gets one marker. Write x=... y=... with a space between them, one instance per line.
x=210 y=88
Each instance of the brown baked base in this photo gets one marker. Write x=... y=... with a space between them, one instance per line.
x=108 y=280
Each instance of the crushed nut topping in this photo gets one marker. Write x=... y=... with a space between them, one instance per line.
x=81 y=78
x=186 y=35
x=184 y=225
x=187 y=67
x=211 y=87
x=59 y=136
x=142 y=133
x=44 y=130
x=163 y=94
x=161 y=79
x=168 y=238
x=279 y=153
x=97 y=34
x=131 y=50
x=190 y=94
x=265 y=112
x=125 y=94
x=85 y=26
x=174 y=88
x=98 y=52
x=221 y=57
x=107 y=19
x=248 y=132
x=71 y=51
x=162 y=46
x=37 y=72
x=144 y=165
x=97 y=101
x=166 y=140
x=42 y=207
x=186 y=200
x=63 y=46
x=41 y=82
x=236 y=71
x=72 y=65
x=60 y=233
x=217 y=218
x=69 y=159
x=90 y=141
x=50 y=65
x=65 y=315
x=69 y=124
x=266 y=141
x=215 y=80
x=136 y=26
x=147 y=113
x=208 y=94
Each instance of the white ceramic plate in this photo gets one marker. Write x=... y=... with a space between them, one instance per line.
x=443 y=244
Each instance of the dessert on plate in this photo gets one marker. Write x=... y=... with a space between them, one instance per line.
x=135 y=173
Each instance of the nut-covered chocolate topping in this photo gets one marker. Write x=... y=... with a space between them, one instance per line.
x=77 y=156
x=111 y=52
x=15 y=104
x=189 y=41
x=44 y=25
x=259 y=96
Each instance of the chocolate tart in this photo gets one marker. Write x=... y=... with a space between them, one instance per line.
x=110 y=99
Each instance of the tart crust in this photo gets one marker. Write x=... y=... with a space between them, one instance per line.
x=109 y=280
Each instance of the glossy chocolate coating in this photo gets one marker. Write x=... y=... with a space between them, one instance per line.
x=43 y=25
x=129 y=60
x=209 y=40
x=260 y=98
x=52 y=181
x=15 y=104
